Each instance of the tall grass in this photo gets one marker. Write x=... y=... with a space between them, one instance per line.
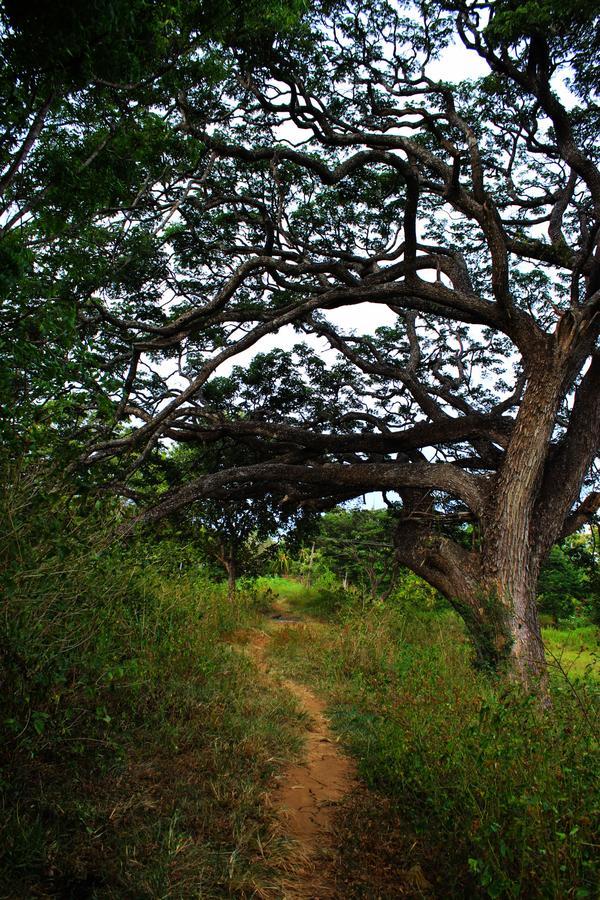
x=501 y=799
x=136 y=744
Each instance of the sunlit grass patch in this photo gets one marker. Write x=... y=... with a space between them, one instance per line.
x=283 y=587
x=573 y=652
x=319 y=600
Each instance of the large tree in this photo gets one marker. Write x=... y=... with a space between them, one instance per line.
x=343 y=170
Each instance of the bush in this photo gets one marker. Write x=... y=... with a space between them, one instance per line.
x=136 y=745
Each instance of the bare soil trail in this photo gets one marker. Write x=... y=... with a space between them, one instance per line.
x=308 y=793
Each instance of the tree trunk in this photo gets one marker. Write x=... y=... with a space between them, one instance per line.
x=308 y=575
x=509 y=584
x=509 y=562
x=494 y=588
x=511 y=616
x=225 y=553
x=231 y=569
x=498 y=608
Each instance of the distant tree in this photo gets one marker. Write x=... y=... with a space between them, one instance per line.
x=570 y=577
x=237 y=534
x=233 y=535
x=560 y=584
x=358 y=546
x=583 y=550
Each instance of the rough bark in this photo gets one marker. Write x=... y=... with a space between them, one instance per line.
x=509 y=567
x=494 y=589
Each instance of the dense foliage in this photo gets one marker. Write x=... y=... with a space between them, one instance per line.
x=568 y=582
x=136 y=745
x=357 y=545
x=84 y=131
x=257 y=260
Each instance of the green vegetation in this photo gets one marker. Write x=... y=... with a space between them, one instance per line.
x=137 y=744
x=498 y=800
x=140 y=745
x=182 y=183
x=355 y=544
x=574 y=652
x=166 y=207
x=569 y=582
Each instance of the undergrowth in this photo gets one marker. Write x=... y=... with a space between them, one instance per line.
x=500 y=799
x=137 y=745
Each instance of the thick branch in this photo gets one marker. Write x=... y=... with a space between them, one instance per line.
x=362 y=477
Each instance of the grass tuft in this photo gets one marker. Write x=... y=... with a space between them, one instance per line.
x=137 y=744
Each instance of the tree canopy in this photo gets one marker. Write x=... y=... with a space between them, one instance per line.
x=257 y=189
x=85 y=133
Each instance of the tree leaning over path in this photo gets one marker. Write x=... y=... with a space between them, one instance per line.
x=340 y=171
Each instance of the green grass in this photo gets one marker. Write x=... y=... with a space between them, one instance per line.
x=574 y=652
x=282 y=587
x=286 y=589
x=157 y=787
x=137 y=743
x=320 y=600
x=497 y=799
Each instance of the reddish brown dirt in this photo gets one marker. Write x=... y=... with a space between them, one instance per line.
x=309 y=792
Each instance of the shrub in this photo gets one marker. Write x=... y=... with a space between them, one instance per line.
x=136 y=745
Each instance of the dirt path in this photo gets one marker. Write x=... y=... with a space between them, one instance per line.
x=308 y=792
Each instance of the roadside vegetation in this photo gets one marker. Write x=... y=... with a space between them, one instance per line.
x=470 y=781
x=137 y=745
